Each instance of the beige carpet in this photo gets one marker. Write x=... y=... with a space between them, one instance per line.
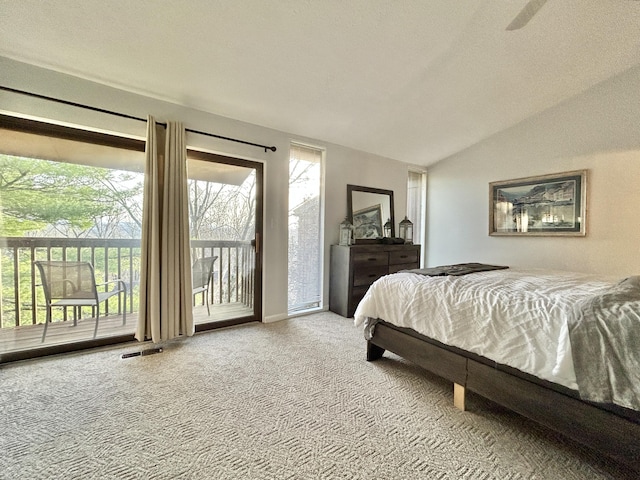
x=290 y=400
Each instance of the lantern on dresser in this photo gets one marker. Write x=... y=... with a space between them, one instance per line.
x=346 y=232
x=406 y=230
x=387 y=228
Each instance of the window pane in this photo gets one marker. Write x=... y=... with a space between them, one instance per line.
x=69 y=200
x=305 y=243
x=416 y=204
x=222 y=223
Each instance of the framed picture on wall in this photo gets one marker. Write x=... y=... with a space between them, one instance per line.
x=535 y=206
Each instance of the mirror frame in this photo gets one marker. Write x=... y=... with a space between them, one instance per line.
x=380 y=191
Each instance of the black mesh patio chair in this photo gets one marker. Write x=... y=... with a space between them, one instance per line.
x=201 y=273
x=73 y=284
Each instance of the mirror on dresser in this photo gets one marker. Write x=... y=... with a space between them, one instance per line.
x=369 y=209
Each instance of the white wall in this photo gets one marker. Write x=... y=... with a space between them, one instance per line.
x=598 y=130
x=343 y=165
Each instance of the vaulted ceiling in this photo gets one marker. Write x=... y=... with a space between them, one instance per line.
x=413 y=80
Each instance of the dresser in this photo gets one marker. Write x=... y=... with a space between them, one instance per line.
x=354 y=268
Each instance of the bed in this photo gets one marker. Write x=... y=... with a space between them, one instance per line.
x=507 y=334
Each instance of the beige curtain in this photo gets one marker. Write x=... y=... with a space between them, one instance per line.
x=165 y=271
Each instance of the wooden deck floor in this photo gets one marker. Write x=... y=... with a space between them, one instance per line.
x=28 y=337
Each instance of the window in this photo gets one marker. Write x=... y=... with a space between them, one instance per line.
x=224 y=202
x=72 y=195
x=66 y=195
x=416 y=206
x=305 y=228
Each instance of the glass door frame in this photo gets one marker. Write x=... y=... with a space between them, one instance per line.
x=110 y=140
x=76 y=134
x=258 y=243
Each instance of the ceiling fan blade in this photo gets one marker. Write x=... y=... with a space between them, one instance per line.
x=526 y=14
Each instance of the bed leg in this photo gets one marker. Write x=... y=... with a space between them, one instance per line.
x=458 y=396
x=374 y=352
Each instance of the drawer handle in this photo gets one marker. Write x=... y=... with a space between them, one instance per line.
x=404 y=256
x=372 y=259
x=371 y=275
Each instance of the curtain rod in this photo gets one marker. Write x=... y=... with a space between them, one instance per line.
x=131 y=117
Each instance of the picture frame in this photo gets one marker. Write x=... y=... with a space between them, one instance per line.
x=545 y=205
x=367 y=223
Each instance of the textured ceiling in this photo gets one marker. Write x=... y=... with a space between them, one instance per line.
x=412 y=80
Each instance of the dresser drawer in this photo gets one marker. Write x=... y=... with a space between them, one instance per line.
x=368 y=275
x=403 y=256
x=357 y=294
x=370 y=259
x=402 y=266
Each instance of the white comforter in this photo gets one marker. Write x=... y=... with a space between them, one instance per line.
x=513 y=317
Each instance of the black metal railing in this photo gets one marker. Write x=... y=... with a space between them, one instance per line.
x=22 y=299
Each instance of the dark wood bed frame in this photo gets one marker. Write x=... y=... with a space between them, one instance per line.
x=611 y=430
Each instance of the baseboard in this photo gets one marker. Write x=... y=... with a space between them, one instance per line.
x=275 y=318
x=284 y=316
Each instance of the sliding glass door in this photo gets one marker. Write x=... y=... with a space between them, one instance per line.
x=225 y=219
x=68 y=199
x=71 y=198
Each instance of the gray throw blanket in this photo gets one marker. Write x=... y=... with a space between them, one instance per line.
x=605 y=341
x=458 y=269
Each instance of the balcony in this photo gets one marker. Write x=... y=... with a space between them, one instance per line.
x=22 y=305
